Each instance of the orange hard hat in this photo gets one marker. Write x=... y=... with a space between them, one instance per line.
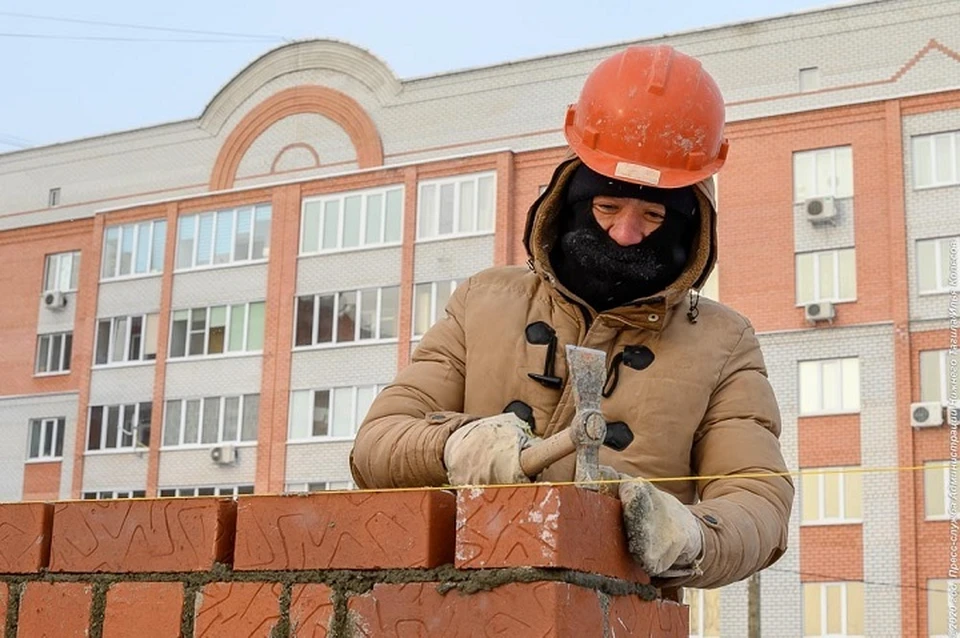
x=649 y=115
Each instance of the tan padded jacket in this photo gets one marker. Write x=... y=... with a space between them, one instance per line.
x=704 y=407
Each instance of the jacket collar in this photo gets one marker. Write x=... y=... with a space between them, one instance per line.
x=650 y=313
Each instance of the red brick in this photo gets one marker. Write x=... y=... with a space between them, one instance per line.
x=345 y=531
x=311 y=611
x=544 y=609
x=4 y=597
x=543 y=527
x=144 y=610
x=142 y=535
x=237 y=610
x=24 y=537
x=819 y=556
x=57 y=610
x=633 y=617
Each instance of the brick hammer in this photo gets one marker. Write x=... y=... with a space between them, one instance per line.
x=585 y=435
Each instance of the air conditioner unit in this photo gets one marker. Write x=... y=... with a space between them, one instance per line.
x=820 y=210
x=224 y=454
x=54 y=300
x=819 y=311
x=926 y=415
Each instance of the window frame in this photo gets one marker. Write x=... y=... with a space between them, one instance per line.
x=66 y=354
x=73 y=280
x=331 y=412
x=153 y=267
x=217 y=490
x=837 y=276
x=362 y=244
x=221 y=412
x=915 y=140
x=227 y=328
x=314 y=487
x=216 y=215
x=844 y=606
x=697 y=608
x=59 y=425
x=102 y=495
x=128 y=329
x=814 y=153
x=942 y=469
x=137 y=444
x=937 y=586
x=457 y=181
x=943 y=279
x=335 y=325
x=434 y=309
x=819 y=474
x=943 y=374
x=820 y=383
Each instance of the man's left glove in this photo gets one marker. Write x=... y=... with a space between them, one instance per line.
x=487 y=451
x=661 y=532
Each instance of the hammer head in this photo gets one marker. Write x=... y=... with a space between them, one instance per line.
x=588 y=372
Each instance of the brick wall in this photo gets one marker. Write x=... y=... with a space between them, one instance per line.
x=425 y=563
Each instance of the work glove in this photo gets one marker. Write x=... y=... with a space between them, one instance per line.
x=662 y=534
x=487 y=451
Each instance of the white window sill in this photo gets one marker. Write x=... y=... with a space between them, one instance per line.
x=59 y=373
x=832 y=523
x=453 y=236
x=123 y=364
x=930 y=187
x=345 y=344
x=326 y=252
x=45 y=459
x=938 y=292
x=231 y=264
x=207 y=446
x=145 y=275
x=64 y=292
x=322 y=439
x=817 y=414
x=836 y=302
x=214 y=357
x=115 y=451
x=939 y=518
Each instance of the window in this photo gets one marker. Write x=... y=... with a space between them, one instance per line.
x=336 y=412
x=53 y=197
x=937 y=269
x=61 y=271
x=933 y=376
x=320 y=486
x=833 y=609
x=223 y=237
x=345 y=317
x=429 y=302
x=456 y=206
x=935 y=160
x=119 y=427
x=126 y=339
x=114 y=494
x=133 y=249
x=937 y=489
x=46 y=439
x=941 y=603
x=829 y=275
x=826 y=172
x=211 y=420
x=352 y=220
x=809 y=79
x=704 y=612
x=222 y=490
x=829 y=495
x=53 y=352
x=199 y=332
x=830 y=386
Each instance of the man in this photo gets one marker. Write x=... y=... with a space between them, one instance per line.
x=619 y=244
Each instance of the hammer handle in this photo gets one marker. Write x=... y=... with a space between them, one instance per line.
x=537 y=458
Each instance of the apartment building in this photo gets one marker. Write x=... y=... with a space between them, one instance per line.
x=209 y=306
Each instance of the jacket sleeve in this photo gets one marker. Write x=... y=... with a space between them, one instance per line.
x=744 y=520
x=400 y=442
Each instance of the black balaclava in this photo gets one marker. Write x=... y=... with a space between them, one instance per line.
x=599 y=270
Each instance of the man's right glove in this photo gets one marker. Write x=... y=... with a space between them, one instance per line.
x=487 y=451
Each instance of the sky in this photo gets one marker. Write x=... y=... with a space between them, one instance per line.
x=64 y=76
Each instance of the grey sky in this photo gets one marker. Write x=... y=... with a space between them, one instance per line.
x=57 y=89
